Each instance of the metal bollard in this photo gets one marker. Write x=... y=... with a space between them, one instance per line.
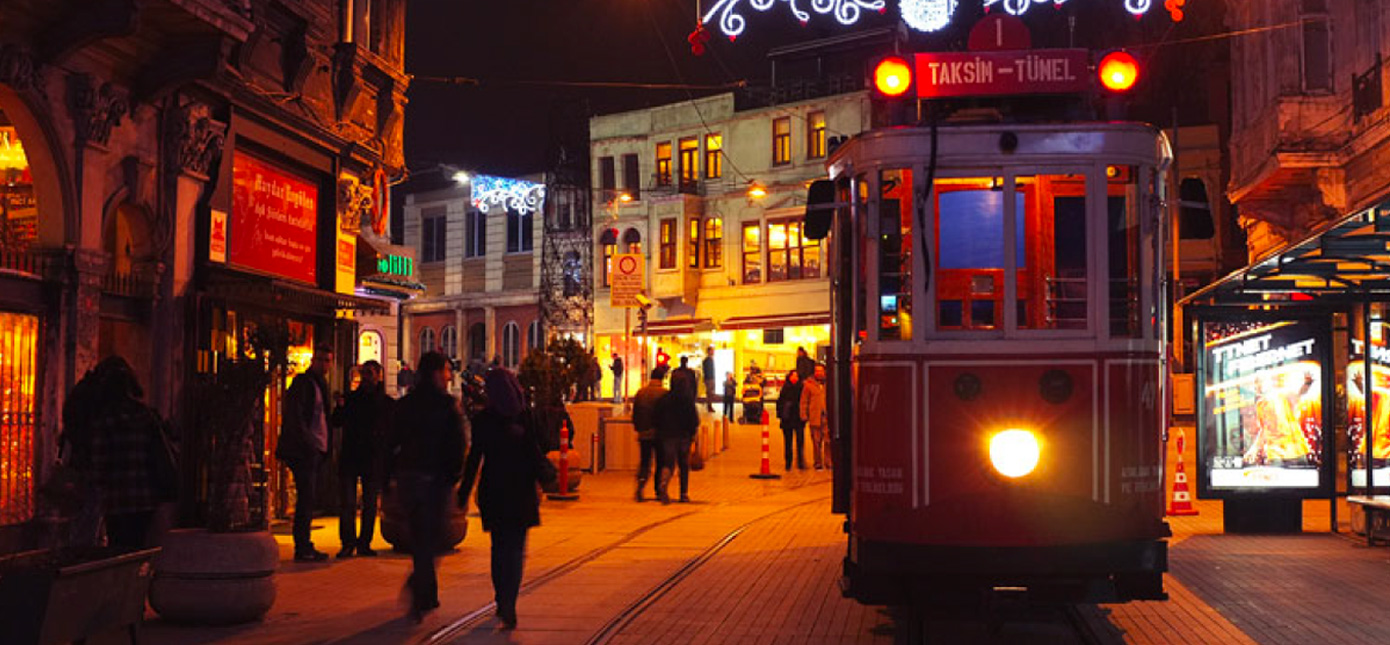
x=593 y=453
x=562 y=491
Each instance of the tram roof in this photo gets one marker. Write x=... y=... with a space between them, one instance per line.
x=1346 y=261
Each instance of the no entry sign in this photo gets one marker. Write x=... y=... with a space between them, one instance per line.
x=628 y=280
x=985 y=73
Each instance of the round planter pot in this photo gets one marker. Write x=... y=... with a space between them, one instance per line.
x=395 y=526
x=207 y=578
x=575 y=474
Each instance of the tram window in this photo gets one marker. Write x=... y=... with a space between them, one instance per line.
x=1122 y=226
x=895 y=255
x=970 y=257
x=861 y=272
x=1050 y=216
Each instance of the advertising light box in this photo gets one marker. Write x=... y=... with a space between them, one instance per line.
x=1262 y=405
x=1380 y=412
x=274 y=224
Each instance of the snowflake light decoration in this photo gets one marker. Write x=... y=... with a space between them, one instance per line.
x=732 y=22
x=513 y=194
x=927 y=15
x=922 y=15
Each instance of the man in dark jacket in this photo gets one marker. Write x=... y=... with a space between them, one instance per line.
x=303 y=444
x=707 y=372
x=677 y=421
x=428 y=441
x=366 y=422
x=644 y=422
x=618 y=384
x=686 y=379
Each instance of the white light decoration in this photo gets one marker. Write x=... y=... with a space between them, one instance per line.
x=927 y=15
x=1138 y=7
x=1019 y=7
x=732 y=22
x=513 y=194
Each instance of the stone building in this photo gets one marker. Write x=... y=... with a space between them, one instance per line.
x=711 y=194
x=175 y=172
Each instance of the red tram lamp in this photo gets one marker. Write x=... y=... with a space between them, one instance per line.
x=1118 y=71
x=893 y=77
x=1014 y=452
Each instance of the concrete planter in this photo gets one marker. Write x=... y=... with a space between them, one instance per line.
x=208 y=578
x=48 y=597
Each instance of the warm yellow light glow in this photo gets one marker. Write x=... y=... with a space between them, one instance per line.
x=756 y=191
x=892 y=76
x=11 y=151
x=1014 y=452
x=461 y=177
x=625 y=197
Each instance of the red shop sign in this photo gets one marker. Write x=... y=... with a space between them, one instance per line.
x=1033 y=71
x=274 y=220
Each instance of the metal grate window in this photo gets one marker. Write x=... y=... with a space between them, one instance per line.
x=19 y=336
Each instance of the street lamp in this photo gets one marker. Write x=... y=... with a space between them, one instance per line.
x=756 y=190
x=462 y=176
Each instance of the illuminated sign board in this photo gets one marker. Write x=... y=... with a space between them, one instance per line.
x=1262 y=405
x=1037 y=71
x=1380 y=410
x=397 y=265
x=274 y=224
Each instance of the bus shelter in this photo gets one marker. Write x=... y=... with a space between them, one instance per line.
x=1283 y=348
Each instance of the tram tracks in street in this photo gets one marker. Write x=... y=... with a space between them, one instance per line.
x=468 y=621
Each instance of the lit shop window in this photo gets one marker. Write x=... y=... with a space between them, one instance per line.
x=18 y=365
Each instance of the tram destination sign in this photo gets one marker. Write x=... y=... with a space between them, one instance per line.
x=993 y=73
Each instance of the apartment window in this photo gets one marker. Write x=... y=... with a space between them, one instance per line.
x=714 y=243
x=815 y=135
x=519 y=232
x=433 y=235
x=1195 y=221
x=426 y=341
x=632 y=176
x=663 y=164
x=668 y=243
x=752 y=253
x=632 y=240
x=564 y=216
x=607 y=242
x=790 y=255
x=477 y=342
x=573 y=274
x=714 y=156
x=449 y=341
x=1317 y=47
x=475 y=234
x=690 y=162
x=692 y=244
x=533 y=336
x=782 y=140
x=607 y=176
x=511 y=345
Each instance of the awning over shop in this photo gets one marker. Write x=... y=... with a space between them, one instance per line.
x=288 y=295
x=676 y=326
x=775 y=320
x=1346 y=261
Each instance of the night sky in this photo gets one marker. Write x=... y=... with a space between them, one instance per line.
x=502 y=127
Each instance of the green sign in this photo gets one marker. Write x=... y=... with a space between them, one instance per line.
x=395 y=265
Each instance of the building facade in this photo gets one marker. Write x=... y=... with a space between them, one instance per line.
x=1310 y=135
x=479 y=244
x=176 y=172
x=712 y=197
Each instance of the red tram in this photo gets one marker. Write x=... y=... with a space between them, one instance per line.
x=997 y=361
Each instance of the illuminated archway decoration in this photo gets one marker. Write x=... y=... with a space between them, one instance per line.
x=515 y=195
x=922 y=15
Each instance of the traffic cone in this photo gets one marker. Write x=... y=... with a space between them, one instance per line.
x=765 y=471
x=1182 y=497
x=562 y=491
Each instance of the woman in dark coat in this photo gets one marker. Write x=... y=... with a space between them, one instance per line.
x=507 y=448
x=789 y=417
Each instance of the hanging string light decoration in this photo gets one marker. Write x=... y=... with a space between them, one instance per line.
x=846 y=12
x=1020 y=7
x=921 y=15
x=513 y=194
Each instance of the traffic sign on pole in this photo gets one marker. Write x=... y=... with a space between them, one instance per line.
x=629 y=279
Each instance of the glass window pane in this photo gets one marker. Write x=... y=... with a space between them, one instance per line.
x=1051 y=218
x=752 y=252
x=1122 y=243
x=776 y=265
x=970 y=262
x=895 y=229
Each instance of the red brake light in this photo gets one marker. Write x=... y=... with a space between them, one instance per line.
x=1118 y=71
x=892 y=76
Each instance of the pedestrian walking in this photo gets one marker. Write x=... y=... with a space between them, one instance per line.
x=730 y=393
x=707 y=373
x=686 y=379
x=505 y=447
x=644 y=422
x=365 y=419
x=617 y=368
x=789 y=417
x=813 y=411
x=805 y=367
x=303 y=444
x=122 y=447
x=677 y=421
x=753 y=396
x=427 y=440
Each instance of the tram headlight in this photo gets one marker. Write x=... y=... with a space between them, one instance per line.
x=1014 y=452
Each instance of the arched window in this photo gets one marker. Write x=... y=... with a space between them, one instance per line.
x=511 y=345
x=426 y=340
x=608 y=242
x=369 y=347
x=533 y=336
x=449 y=341
x=477 y=342
x=632 y=241
x=19 y=220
